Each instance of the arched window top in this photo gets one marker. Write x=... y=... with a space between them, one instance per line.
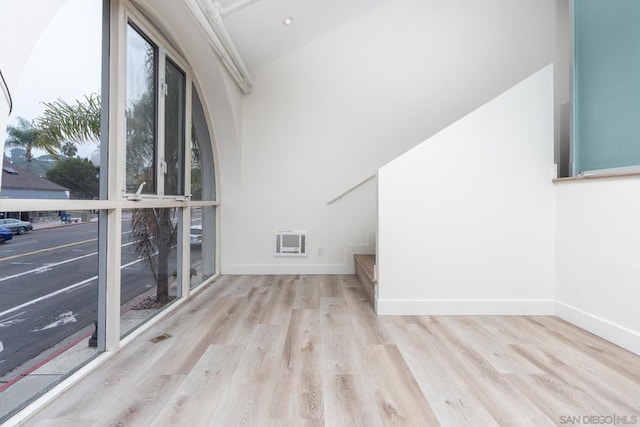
x=203 y=181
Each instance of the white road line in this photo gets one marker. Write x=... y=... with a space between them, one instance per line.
x=13 y=245
x=60 y=291
x=48 y=267
x=1 y=347
x=15 y=315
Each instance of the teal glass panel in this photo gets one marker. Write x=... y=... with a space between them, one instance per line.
x=606 y=84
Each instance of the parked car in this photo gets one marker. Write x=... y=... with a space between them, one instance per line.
x=5 y=235
x=195 y=234
x=16 y=226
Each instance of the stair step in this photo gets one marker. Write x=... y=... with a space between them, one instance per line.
x=365 y=265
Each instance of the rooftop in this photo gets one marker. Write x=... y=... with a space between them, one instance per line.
x=16 y=177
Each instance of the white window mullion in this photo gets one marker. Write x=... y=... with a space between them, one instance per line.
x=187 y=138
x=184 y=250
x=162 y=93
x=109 y=280
x=184 y=257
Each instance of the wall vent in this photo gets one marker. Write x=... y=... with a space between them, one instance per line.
x=290 y=243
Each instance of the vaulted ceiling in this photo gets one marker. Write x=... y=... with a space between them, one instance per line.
x=258 y=31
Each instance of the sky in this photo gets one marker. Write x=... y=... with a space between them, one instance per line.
x=65 y=63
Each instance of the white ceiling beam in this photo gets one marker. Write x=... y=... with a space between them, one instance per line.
x=234 y=7
x=208 y=15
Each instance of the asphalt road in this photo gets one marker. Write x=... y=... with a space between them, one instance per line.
x=48 y=287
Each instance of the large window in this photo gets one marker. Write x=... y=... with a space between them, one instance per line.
x=49 y=291
x=155 y=142
x=113 y=259
x=606 y=84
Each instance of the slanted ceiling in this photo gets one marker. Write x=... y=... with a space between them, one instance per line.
x=258 y=33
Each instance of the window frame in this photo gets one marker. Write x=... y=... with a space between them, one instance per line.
x=165 y=52
x=117 y=199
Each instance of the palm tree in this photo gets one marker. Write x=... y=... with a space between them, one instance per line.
x=73 y=123
x=27 y=136
x=69 y=149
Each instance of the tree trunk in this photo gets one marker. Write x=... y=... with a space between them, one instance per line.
x=164 y=237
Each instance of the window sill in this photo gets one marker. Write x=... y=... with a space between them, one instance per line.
x=596 y=177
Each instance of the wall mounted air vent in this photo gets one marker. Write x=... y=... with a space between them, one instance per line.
x=290 y=243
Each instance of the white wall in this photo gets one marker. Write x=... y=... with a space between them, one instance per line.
x=466 y=219
x=598 y=257
x=329 y=114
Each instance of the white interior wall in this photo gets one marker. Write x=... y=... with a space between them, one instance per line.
x=329 y=114
x=466 y=219
x=597 y=257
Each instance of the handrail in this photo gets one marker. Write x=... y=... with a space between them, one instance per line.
x=353 y=187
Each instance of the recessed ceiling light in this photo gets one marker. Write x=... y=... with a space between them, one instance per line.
x=287 y=21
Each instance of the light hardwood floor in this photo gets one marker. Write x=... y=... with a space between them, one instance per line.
x=310 y=351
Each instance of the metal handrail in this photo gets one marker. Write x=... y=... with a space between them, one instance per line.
x=353 y=187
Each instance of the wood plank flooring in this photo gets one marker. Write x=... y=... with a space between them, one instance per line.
x=310 y=351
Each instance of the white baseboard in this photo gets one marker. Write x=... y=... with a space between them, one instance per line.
x=623 y=337
x=464 y=307
x=287 y=269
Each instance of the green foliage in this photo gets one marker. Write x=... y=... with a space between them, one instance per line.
x=78 y=122
x=17 y=154
x=78 y=175
x=27 y=136
x=69 y=149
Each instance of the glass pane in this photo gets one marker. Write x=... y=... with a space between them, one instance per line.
x=203 y=180
x=149 y=264
x=140 y=111
x=606 y=84
x=174 y=130
x=49 y=302
x=202 y=240
x=196 y=169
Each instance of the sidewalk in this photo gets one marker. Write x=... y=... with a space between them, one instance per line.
x=55 y=222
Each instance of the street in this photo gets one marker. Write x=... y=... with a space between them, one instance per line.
x=48 y=287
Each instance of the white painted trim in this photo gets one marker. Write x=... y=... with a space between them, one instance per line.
x=623 y=337
x=446 y=307
x=285 y=269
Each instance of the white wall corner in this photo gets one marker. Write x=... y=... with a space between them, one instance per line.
x=618 y=335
